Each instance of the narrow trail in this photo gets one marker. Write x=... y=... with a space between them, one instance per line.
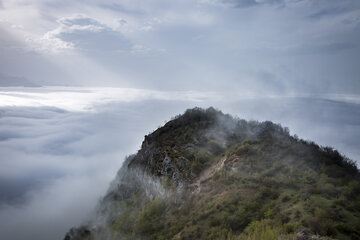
x=207 y=174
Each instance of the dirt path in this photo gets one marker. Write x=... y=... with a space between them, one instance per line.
x=207 y=174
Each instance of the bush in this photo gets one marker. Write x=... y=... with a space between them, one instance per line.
x=215 y=148
x=200 y=160
x=285 y=197
x=289 y=228
x=319 y=223
x=249 y=141
x=150 y=219
x=268 y=193
x=261 y=230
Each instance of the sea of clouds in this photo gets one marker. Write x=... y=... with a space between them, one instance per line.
x=60 y=147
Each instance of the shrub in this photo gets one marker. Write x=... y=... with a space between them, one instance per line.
x=269 y=213
x=267 y=193
x=289 y=228
x=150 y=219
x=285 y=197
x=261 y=230
x=319 y=223
x=215 y=148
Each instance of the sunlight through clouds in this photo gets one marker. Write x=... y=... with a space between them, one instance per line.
x=84 y=99
x=82 y=82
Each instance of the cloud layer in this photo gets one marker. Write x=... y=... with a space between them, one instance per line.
x=267 y=46
x=86 y=34
x=58 y=158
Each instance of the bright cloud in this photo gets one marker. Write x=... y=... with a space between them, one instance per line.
x=85 y=99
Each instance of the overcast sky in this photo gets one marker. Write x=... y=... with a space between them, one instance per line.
x=113 y=71
x=262 y=46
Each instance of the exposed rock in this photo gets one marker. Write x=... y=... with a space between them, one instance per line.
x=304 y=234
x=81 y=233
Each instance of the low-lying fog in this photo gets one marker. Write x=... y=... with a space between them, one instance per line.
x=61 y=147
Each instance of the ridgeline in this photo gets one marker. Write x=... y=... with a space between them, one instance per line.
x=207 y=175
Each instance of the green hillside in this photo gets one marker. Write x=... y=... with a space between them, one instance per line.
x=207 y=175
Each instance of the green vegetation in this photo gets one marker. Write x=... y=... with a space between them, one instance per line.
x=236 y=180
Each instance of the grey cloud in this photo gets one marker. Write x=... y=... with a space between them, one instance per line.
x=332 y=8
x=328 y=12
x=79 y=20
x=19 y=65
x=13 y=191
x=332 y=47
x=251 y=3
x=324 y=7
x=7 y=40
x=242 y=3
x=7 y=81
x=118 y=7
x=88 y=34
x=318 y=49
x=6 y=135
x=275 y=85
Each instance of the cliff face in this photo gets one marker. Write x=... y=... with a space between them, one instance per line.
x=206 y=175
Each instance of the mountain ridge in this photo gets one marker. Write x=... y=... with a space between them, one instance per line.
x=207 y=175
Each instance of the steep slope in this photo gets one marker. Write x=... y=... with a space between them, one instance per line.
x=206 y=175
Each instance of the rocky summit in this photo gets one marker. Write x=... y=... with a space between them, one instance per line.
x=208 y=175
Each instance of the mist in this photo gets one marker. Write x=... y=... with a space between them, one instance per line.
x=56 y=163
x=82 y=82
